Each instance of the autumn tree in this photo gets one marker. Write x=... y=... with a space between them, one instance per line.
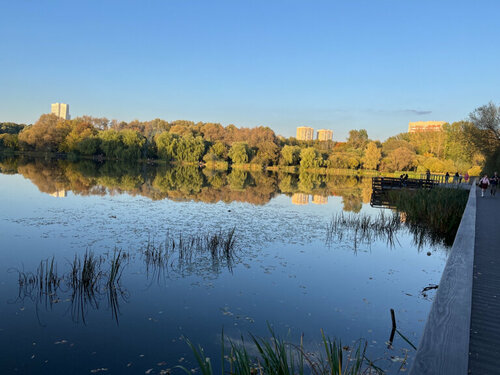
x=357 y=139
x=372 y=156
x=47 y=134
x=400 y=159
x=486 y=134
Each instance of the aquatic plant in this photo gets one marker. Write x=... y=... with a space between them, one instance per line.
x=85 y=282
x=435 y=213
x=277 y=356
x=363 y=228
x=41 y=285
x=182 y=253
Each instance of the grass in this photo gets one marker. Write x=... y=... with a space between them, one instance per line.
x=182 y=252
x=430 y=215
x=363 y=228
x=435 y=213
x=276 y=356
x=86 y=281
x=41 y=285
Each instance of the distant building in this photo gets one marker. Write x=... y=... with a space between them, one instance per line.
x=60 y=110
x=60 y=194
x=425 y=126
x=305 y=133
x=319 y=199
x=300 y=199
x=324 y=135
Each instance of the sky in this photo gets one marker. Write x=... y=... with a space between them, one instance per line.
x=339 y=65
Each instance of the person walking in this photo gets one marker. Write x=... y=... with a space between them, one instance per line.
x=446 y=177
x=455 y=178
x=466 y=177
x=494 y=183
x=483 y=184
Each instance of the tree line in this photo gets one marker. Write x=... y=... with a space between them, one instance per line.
x=465 y=146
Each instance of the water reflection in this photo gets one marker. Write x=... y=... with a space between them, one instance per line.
x=183 y=183
x=89 y=280
x=92 y=278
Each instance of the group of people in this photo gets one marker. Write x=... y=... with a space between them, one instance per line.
x=491 y=182
x=457 y=178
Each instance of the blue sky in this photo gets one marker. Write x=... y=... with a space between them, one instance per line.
x=374 y=64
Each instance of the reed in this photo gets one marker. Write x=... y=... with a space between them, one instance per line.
x=85 y=282
x=276 y=356
x=183 y=252
x=435 y=213
x=363 y=228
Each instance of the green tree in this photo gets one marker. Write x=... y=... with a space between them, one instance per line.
x=238 y=153
x=111 y=143
x=133 y=144
x=166 y=145
x=290 y=155
x=267 y=153
x=219 y=149
x=310 y=158
x=9 y=141
x=189 y=149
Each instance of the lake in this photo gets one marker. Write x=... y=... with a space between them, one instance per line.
x=282 y=272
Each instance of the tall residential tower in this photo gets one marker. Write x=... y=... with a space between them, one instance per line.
x=60 y=110
x=305 y=133
x=324 y=135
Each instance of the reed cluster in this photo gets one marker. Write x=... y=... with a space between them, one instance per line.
x=179 y=252
x=363 y=228
x=89 y=277
x=435 y=213
x=277 y=356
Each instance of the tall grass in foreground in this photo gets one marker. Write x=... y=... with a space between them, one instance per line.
x=278 y=357
x=434 y=212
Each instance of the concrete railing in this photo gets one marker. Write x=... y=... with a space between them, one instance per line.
x=444 y=347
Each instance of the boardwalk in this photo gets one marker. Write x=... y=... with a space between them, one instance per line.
x=484 y=343
x=462 y=333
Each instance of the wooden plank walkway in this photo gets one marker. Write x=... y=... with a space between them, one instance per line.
x=444 y=346
x=485 y=313
x=462 y=333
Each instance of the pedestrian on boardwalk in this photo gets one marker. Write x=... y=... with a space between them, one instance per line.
x=494 y=183
x=446 y=177
x=428 y=175
x=483 y=184
x=466 y=177
x=455 y=178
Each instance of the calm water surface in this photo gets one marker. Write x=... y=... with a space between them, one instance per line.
x=283 y=274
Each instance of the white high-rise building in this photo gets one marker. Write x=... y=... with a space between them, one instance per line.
x=305 y=133
x=60 y=110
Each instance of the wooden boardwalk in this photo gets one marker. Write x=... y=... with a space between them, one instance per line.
x=484 y=346
x=462 y=333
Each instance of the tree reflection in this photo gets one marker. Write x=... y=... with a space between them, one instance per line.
x=183 y=182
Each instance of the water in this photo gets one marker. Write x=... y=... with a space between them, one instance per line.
x=283 y=273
